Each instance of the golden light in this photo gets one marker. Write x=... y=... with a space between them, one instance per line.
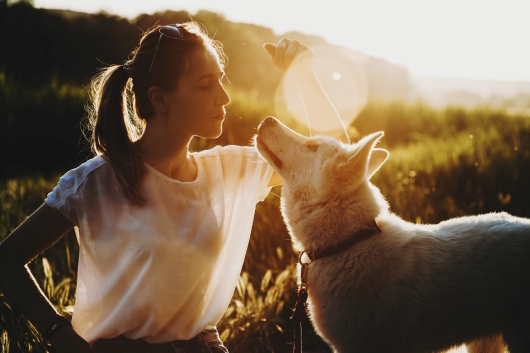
x=341 y=73
x=459 y=349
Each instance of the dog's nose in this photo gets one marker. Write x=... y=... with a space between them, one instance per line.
x=268 y=121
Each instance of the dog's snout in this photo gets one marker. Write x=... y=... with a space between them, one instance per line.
x=268 y=121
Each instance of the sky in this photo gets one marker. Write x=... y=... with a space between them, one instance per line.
x=472 y=39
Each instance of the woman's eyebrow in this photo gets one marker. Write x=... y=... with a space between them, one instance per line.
x=221 y=75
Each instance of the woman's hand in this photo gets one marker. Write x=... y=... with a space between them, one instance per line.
x=290 y=55
x=296 y=58
x=66 y=340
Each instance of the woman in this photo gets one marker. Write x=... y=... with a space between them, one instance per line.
x=162 y=231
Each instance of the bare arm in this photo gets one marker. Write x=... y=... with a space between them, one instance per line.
x=297 y=59
x=37 y=233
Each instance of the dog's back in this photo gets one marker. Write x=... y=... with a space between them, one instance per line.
x=414 y=288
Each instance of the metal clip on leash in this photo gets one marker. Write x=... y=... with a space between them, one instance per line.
x=299 y=309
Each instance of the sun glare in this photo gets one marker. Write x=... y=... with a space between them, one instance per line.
x=344 y=81
x=452 y=38
x=461 y=349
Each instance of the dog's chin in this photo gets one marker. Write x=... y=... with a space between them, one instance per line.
x=269 y=156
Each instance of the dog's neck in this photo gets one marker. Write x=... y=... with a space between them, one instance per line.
x=364 y=233
x=322 y=225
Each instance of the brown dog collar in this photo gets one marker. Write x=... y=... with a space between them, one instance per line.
x=352 y=240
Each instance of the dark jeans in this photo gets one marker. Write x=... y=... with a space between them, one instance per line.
x=205 y=342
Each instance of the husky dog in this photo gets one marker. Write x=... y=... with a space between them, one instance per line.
x=402 y=287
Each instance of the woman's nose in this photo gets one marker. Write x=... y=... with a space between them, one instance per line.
x=224 y=98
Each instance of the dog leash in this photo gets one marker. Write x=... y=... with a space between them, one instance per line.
x=299 y=311
x=299 y=308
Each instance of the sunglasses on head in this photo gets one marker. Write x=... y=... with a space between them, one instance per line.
x=169 y=31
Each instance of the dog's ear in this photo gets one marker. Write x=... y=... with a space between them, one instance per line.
x=376 y=160
x=358 y=162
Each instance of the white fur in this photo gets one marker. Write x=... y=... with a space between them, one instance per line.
x=411 y=288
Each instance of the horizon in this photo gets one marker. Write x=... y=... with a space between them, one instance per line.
x=453 y=39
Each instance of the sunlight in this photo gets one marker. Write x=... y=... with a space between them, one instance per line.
x=436 y=38
x=342 y=76
x=461 y=349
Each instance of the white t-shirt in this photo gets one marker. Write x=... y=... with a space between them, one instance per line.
x=167 y=270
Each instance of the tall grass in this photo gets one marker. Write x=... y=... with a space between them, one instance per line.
x=443 y=163
x=451 y=162
x=54 y=270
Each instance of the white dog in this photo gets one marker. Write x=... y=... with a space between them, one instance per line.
x=402 y=287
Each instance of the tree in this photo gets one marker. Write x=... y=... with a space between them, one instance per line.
x=10 y=2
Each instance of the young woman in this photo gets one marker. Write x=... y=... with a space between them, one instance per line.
x=162 y=231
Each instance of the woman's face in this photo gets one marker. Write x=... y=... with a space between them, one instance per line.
x=196 y=105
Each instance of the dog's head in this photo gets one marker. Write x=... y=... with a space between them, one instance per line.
x=321 y=175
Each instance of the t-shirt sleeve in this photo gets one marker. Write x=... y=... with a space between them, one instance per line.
x=58 y=198
x=245 y=168
x=64 y=197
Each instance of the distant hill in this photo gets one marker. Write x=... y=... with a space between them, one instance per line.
x=440 y=92
x=62 y=46
x=69 y=46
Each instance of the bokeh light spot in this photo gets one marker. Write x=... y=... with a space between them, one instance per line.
x=343 y=77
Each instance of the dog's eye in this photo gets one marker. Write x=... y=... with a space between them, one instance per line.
x=313 y=146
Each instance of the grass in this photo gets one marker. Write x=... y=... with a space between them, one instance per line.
x=437 y=171
x=443 y=163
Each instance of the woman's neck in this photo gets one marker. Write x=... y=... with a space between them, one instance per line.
x=167 y=154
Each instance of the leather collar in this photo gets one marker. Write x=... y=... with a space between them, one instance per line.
x=352 y=240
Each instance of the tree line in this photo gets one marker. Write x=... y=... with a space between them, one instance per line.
x=49 y=56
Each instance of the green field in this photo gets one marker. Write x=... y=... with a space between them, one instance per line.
x=443 y=163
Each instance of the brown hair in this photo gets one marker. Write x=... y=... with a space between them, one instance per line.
x=119 y=105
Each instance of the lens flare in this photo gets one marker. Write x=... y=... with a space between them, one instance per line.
x=342 y=75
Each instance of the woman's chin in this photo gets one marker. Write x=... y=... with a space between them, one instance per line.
x=210 y=135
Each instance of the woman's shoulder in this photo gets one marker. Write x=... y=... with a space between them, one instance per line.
x=71 y=181
x=89 y=166
x=94 y=163
x=228 y=150
x=232 y=159
x=78 y=175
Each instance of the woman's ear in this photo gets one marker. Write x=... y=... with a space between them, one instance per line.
x=158 y=99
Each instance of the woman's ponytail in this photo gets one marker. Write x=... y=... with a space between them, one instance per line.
x=115 y=126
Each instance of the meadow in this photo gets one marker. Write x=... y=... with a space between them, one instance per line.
x=444 y=163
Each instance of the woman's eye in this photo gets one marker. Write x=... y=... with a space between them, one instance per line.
x=204 y=84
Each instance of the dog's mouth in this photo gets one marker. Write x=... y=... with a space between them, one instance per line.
x=274 y=158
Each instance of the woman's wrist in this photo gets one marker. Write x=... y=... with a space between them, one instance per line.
x=67 y=340
x=58 y=324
